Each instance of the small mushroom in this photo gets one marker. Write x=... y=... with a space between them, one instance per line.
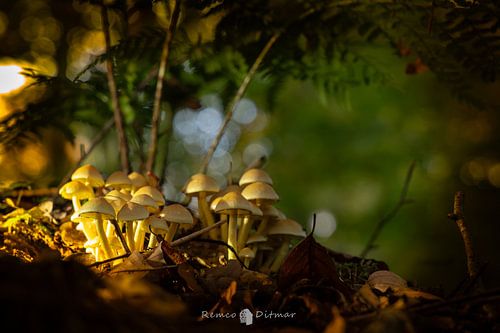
x=262 y=195
x=76 y=191
x=137 y=180
x=88 y=175
x=255 y=175
x=118 y=180
x=233 y=204
x=200 y=185
x=143 y=227
x=159 y=226
x=247 y=255
x=129 y=213
x=153 y=193
x=99 y=209
x=175 y=214
x=256 y=242
x=118 y=194
x=286 y=230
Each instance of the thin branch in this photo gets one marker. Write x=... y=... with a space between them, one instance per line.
x=150 y=269
x=99 y=263
x=458 y=217
x=195 y=234
x=95 y=141
x=402 y=201
x=117 y=111
x=155 y=120
x=239 y=95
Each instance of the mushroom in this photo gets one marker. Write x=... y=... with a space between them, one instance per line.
x=118 y=194
x=234 y=205
x=199 y=185
x=214 y=200
x=99 y=209
x=137 y=180
x=247 y=254
x=286 y=230
x=88 y=175
x=129 y=213
x=76 y=191
x=246 y=226
x=153 y=193
x=118 y=180
x=261 y=194
x=256 y=242
x=114 y=225
x=158 y=226
x=175 y=214
x=255 y=175
x=142 y=227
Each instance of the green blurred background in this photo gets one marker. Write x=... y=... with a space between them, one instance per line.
x=346 y=154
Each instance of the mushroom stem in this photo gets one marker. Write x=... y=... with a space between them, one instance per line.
x=130 y=234
x=102 y=236
x=76 y=203
x=244 y=232
x=205 y=214
x=232 y=236
x=152 y=240
x=247 y=262
x=278 y=260
x=172 y=229
x=261 y=229
x=223 y=228
x=139 y=236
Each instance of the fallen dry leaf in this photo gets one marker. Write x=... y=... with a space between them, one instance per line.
x=337 y=324
x=310 y=260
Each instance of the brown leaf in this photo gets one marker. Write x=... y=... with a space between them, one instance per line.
x=228 y=294
x=171 y=254
x=310 y=260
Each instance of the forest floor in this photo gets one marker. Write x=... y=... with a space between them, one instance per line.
x=49 y=284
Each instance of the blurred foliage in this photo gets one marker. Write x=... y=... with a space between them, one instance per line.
x=355 y=91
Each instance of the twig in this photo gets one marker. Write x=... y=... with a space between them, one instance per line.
x=195 y=234
x=232 y=249
x=120 y=235
x=237 y=97
x=99 y=263
x=95 y=141
x=458 y=217
x=117 y=111
x=143 y=269
x=402 y=201
x=155 y=120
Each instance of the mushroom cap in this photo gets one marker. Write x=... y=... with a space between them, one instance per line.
x=255 y=175
x=145 y=200
x=233 y=202
x=137 y=179
x=132 y=212
x=116 y=202
x=214 y=203
x=260 y=192
x=256 y=238
x=383 y=280
x=153 y=193
x=77 y=189
x=200 y=183
x=157 y=222
x=88 y=174
x=177 y=213
x=272 y=212
x=286 y=227
x=119 y=194
x=246 y=253
x=255 y=210
x=118 y=180
x=96 y=207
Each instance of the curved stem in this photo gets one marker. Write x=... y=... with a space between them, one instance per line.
x=76 y=203
x=102 y=236
x=261 y=229
x=232 y=236
x=172 y=229
x=206 y=215
x=245 y=231
x=223 y=228
x=282 y=252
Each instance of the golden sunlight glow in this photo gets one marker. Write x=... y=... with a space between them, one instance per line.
x=11 y=78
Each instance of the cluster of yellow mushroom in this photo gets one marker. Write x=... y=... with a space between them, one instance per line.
x=259 y=233
x=124 y=212
x=119 y=214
